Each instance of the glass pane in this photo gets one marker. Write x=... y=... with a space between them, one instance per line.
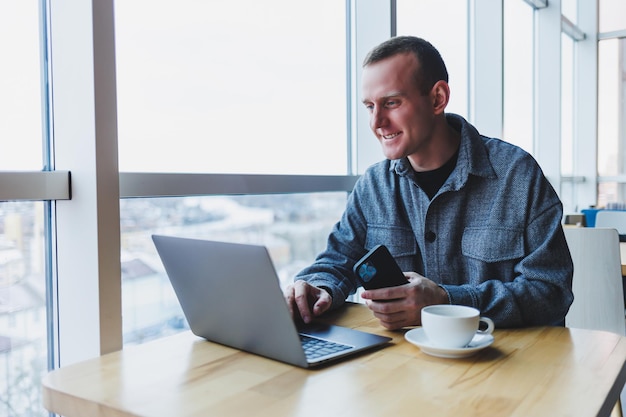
x=612 y=15
x=611 y=108
x=20 y=96
x=610 y=192
x=23 y=346
x=294 y=227
x=569 y=9
x=611 y=119
x=417 y=18
x=232 y=87
x=518 y=74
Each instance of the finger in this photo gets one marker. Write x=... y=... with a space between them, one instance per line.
x=386 y=306
x=323 y=303
x=289 y=299
x=391 y=321
x=394 y=314
x=387 y=293
x=301 y=297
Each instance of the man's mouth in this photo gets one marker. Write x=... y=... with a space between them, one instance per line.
x=391 y=135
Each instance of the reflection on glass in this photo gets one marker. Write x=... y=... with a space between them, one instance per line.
x=232 y=86
x=294 y=227
x=23 y=346
x=421 y=18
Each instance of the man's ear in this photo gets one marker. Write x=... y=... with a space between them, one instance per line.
x=440 y=94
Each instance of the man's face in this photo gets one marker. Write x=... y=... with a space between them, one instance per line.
x=401 y=117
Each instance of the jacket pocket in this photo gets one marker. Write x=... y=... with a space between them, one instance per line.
x=400 y=241
x=493 y=244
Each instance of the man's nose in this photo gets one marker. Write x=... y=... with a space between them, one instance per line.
x=378 y=118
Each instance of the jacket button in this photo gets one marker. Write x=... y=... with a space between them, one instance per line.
x=430 y=236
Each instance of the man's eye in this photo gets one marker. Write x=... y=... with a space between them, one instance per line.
x=391 y=103
x=369 y=107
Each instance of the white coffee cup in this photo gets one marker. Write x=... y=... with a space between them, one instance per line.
x=453 y=326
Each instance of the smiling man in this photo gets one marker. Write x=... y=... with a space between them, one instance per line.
x=470 y=219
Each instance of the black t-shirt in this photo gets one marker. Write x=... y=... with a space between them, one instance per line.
x=431 y=181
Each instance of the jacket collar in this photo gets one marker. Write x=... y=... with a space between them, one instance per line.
x=473 y=158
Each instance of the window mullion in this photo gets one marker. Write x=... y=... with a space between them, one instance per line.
x=372 y=25
x=585 y=106
x=85 y=139
x=486 y=96
x=547 y=91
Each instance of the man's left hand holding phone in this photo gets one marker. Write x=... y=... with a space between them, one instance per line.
x=394 y=303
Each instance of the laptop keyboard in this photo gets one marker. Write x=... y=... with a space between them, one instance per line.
x=315 y=348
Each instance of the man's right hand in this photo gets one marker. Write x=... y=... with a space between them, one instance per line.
x=306 y=301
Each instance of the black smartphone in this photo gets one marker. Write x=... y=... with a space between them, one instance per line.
x=378 y=269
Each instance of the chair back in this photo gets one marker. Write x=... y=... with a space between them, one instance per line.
x=615 y=219
x=597 y=283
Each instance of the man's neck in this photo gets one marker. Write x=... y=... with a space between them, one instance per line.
x=445 y=143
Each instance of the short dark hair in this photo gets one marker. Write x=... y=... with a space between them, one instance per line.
x=431 y=67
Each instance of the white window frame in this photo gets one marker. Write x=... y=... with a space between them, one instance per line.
x=585 y=164
x=547 y=91
x=84 y=122
x=486 y=79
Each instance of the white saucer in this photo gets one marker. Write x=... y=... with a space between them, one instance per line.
x=419 y=339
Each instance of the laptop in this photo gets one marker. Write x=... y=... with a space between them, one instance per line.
x=230 y=294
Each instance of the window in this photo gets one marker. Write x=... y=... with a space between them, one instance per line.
x=23 y=323
x=612 y=15
x=569 y=10
x=611 y=116
x=421 y=18
x=20 y=86
x=294 y=228
x=232 y=87
x=518 y=74
x=23 y=342
x=236 y=88
x=611 y=108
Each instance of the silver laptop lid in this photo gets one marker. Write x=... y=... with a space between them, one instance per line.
x=230 y=294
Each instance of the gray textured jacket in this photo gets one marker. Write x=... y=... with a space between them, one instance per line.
x=491 y=236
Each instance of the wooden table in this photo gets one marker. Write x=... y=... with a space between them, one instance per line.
x=539 y=371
